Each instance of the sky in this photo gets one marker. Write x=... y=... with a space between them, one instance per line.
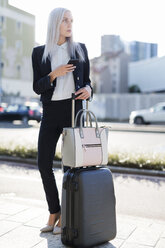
x=141 y=20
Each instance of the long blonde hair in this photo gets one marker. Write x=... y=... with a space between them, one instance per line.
x=53 y=34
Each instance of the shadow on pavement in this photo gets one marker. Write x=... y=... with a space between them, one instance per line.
x=56 y=241
x=16 y=125
x=157 y=180
x=118 y=176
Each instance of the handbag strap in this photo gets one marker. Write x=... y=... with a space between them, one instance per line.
x=90 y=113
x=88 y=116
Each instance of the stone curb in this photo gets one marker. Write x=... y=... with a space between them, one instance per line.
x=143 y=172
x=57 y=164
x=137 y=130
x=133 y=128
x=120 y=128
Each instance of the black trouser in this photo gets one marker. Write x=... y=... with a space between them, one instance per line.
x=56 y=115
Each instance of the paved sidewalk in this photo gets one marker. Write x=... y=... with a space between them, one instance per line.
x=21 y=218
x=20 y=228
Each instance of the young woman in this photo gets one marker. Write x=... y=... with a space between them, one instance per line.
x=55 y=80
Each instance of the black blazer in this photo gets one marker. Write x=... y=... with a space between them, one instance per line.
x=41 y=81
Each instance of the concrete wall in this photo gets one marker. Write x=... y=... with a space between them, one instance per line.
x=119 y=106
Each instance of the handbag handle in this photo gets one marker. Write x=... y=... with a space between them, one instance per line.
x=90 y=113
x=78 y=113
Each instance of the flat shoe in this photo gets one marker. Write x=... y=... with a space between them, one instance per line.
x=56 y=230
x=47 y=228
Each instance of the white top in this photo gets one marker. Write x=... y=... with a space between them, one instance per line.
x=64 y=84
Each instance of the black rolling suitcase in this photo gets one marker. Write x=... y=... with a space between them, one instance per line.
x=88 y=207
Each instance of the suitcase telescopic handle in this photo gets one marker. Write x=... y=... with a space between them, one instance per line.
x=73 y=110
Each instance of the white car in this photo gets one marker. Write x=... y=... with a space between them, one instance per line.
x=155 y=114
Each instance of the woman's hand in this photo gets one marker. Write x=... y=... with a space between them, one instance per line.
x=85 y=93
x=61 y=71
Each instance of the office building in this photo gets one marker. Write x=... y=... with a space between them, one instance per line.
x=142 y=50
x=17 y=35
x=111 y=43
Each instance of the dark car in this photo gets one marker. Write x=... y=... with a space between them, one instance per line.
x=21 y=112
x=35 y=113
x=2 y=107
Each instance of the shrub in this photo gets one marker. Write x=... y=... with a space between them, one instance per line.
x=132 y=160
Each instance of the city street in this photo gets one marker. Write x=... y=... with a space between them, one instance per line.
x=115 y=67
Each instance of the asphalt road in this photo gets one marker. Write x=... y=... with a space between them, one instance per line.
x=123 y=138
x=135 y=195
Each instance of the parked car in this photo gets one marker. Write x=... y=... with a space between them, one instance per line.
x=2 y=107
x=21 y=112
x=155 y=114
x=35 y=113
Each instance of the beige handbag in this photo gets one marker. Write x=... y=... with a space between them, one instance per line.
x=84 y=146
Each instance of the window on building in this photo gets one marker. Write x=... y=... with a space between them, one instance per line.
x=113 y=86
x=113 y=89
x=19 y=26
x=18 y=45
x=18 y=68
x=2 y=42
x=2 y=21
x=2 y=65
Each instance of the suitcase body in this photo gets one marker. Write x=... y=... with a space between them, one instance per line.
x=88 y=207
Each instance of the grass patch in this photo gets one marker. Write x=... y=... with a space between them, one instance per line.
x=22 y=152
x=140 y=161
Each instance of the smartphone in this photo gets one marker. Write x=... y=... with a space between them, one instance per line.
x=73 y=61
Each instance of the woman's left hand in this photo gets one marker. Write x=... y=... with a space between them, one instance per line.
x=85 y=93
